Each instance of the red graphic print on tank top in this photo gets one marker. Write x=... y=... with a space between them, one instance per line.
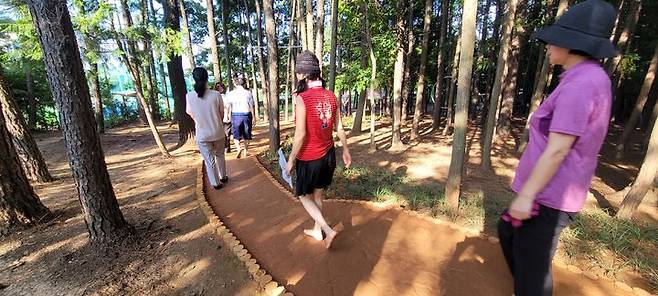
x=320 y=119
x=324 y=113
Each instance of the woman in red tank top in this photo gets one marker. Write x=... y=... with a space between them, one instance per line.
x=313 y=151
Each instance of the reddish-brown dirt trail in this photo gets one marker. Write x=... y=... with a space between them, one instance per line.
x=381 y=251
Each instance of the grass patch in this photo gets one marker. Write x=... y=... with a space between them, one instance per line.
x=348 y=121
x=612 y=245
x=385 y=187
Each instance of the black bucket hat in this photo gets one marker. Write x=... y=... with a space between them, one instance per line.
x=586 y=27
x=307 y=63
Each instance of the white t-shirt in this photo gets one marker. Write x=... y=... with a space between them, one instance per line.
x=206 y=114
x=227 y=116
x=240 y=100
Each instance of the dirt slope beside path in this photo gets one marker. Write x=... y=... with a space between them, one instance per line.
x=380 y=252
x=175 y=250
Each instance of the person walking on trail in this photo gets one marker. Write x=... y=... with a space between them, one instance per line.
x=240 y=104
x=345 y=100
x=206 y=108
x=220 y=87
x=566 y=134
x=313 y=152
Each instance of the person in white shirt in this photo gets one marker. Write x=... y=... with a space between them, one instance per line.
x=228 y=132
x=345 y=100
x=240 y=105
x=206 y=108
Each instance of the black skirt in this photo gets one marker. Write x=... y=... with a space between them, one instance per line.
x=315 y=174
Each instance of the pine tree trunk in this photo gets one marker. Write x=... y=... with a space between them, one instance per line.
x=540 y=85
x=154 y=98
x=527 y=59
x=624 y=47
x=227 y=42
x=357 y=127
x=261 y=62
x=349 y=104
x=290 y=70
x=91 y=46
x=153 y=61
x=644 y=179
x=438 y=92
x=398 y=77
x=31 y=160
x=624 y=40
x=140 y=109
x=652 y=120
x=176 y=76
x=65 y=72
x=212 y=36
x=141 y=113
x=616 y=33
x=272 y=61
x=310 y=24
x=501 y=71
x=453 y=85
x=160 y=64
x=96 y=95
x=253 y=59
x=133 y=64
x=287 y=92
x=420 y=91
x=639 y=105
x=151 y=102
x=480 y=50
x=301 y=24
x=504 y=125
x=124 y=108
x=319 y=39
x=541 y=56
x=406 y=84
x=165 y=91
x=390 y=100
x=19 y=205
x=243 y=57
x=491 y=71
x=334 y=44
x=463 y=97
x=373 y=77
x=186 y=34
x=31 y=100
x=151 y=84
x=361 y=104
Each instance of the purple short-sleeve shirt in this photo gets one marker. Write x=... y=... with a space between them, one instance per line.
x=579 y=106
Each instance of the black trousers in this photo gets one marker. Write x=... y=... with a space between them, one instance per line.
x=228 y=131
x=529 y=250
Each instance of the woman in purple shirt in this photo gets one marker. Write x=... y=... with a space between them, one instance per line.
x=566 y=134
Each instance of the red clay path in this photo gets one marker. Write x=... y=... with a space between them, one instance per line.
x=379 y=252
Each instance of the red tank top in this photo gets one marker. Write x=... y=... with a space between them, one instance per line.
x=320 y=120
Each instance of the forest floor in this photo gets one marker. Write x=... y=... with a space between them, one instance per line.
x=175 y=251
x=414 y=178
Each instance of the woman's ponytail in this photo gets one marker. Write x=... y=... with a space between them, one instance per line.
x=302 y=86
x=200 y=76
x=200 y=88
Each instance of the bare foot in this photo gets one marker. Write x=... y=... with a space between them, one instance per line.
x=330 y=236
x=317 y=235
x=329 y=239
